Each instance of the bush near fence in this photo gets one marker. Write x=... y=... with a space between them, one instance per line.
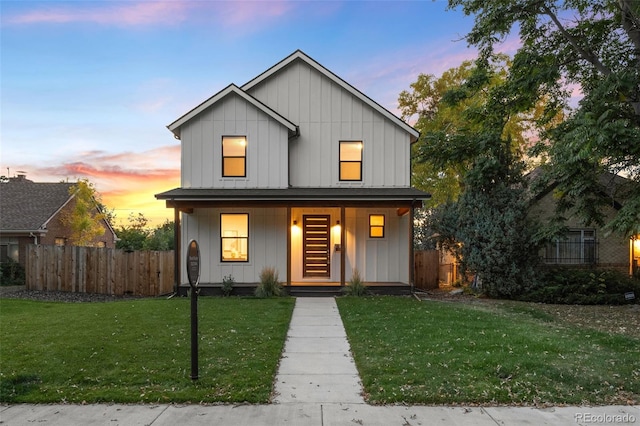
x=99 y=270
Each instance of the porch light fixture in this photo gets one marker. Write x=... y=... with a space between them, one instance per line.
x=295 y=222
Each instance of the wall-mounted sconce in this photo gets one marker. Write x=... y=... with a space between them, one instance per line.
x=295 y=222
x=338 y=223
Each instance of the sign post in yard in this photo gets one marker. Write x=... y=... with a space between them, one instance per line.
x=193 y=274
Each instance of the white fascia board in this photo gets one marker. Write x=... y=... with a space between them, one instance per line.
x=299 y=54
x=232 y=88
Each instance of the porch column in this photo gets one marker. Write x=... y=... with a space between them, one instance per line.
x=176 y=242
x=288 y=246
x=343 y=245
x=412 y=268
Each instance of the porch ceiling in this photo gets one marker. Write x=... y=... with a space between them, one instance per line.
x=326 y=197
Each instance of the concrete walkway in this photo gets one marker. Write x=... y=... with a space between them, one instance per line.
x=317 y=385
x=316 y=365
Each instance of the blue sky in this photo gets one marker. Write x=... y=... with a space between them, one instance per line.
x=88 y=87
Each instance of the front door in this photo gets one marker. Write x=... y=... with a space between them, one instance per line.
x=316 y=241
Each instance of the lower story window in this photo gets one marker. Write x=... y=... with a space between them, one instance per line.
x=579 y=247
x=234 y=237
x=376 y=226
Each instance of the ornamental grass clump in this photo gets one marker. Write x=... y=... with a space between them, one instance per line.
x=227 y=285
x=269 y=285
x=356 y=287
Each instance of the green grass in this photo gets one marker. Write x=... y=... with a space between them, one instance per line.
x=140 y=350
x=428 y=352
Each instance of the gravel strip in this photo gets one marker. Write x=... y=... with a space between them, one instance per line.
x=20 y=292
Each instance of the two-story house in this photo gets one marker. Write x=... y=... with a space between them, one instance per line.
x=300 y=171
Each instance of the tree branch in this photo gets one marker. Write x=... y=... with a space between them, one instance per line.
x=588 y=56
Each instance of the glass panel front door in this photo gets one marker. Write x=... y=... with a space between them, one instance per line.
x=316 y=239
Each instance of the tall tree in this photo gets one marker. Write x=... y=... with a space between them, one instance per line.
x=593 y=45
x=85 y=219
x=488 y=225
x=470 y=156
x=437 y=119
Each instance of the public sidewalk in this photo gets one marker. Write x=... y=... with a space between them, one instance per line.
x=317 y=385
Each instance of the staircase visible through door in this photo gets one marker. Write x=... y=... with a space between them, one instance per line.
x=316 y=246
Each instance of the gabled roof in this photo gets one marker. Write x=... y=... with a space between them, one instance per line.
x=231 y=89
x=300 y=55
x=613 y=187
x=28 y=206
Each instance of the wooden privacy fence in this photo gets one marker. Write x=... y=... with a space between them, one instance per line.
x=426 y=264
x=99 y=270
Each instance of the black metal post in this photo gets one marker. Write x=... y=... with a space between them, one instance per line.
x=194 y=333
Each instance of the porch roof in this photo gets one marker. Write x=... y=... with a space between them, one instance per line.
x=351 y=196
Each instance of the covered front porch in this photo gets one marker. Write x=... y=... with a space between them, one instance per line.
x=315 y=237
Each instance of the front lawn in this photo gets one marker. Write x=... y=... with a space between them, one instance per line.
x=431 y=352
x=140 y=350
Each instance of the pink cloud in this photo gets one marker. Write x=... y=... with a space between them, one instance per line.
x=126 y=181
x=128 y=14
x=237 y=14
x=243 y=12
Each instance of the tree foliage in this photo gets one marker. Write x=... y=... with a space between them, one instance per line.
x=85 y=220
x=593 y=45
x=474 y=126
x=440 y=107
x=136 y=235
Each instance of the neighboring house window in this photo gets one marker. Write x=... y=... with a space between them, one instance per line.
x=101 y=244
x=59 y=241
x=376 y=226
x=234 y=237
x=351 y=160
x=9 y=250
x=234 y=156
x=577 y=248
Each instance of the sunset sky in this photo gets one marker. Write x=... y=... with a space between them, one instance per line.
x=88 y=87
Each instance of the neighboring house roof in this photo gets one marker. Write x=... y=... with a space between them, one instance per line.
x=293 y=128
x=28 y=206
x=612 y=186
x=232 y=89
x=300 y=55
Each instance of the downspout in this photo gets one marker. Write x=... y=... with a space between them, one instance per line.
x=35 y=238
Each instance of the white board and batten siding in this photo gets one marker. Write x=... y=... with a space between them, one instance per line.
x=327 y=114
x=267 y=147
x=267 y=244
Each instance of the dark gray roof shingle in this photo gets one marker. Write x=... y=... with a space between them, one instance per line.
x=27 y=205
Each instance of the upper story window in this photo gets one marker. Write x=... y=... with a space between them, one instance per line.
x=376 y=226
x=234 y=156
x=351 y=160
x=577 y=248
x=234 y=237
x=59 y=241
